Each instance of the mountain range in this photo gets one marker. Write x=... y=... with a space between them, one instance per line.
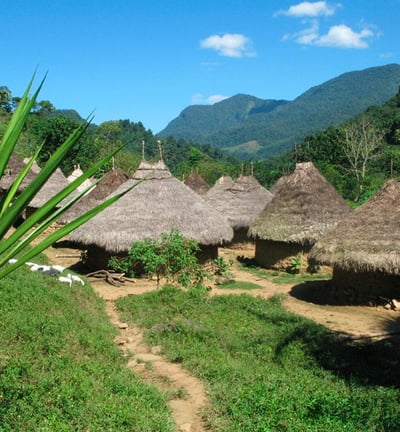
x=250 y=127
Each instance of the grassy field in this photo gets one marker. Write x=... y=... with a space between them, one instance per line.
x=60 y=369
x=266 y=369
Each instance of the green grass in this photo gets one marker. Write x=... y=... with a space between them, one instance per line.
x=268 y=370
x=60 y=369
x=282 y=277
x=239 y=285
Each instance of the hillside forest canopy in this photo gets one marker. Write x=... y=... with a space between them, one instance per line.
x=357 y=156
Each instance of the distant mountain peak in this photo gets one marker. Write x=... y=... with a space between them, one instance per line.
x=276 y=125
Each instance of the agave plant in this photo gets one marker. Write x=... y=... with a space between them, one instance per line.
x=12 y=204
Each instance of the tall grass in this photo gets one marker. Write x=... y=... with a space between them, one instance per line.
x=59 y=367
x=266 y=369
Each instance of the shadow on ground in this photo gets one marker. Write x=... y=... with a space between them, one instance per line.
x=366 y=361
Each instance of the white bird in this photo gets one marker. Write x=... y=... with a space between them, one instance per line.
x=50 y=271
x=76 y=278
x=66 y=279
x=41 y=267
x=58 y=268
x=12 y=261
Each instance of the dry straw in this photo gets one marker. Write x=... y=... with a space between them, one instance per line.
x=107 y=185
x=196 y=182
x=305 y=207
x=158 y=204
x=241 y=201
x=368 y=240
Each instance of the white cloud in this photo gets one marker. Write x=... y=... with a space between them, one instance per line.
x=310 y=9
x=200 y=99
x=338 y=36
x=229 y=45
x=387 y=55
x=216 y=98
x=341 y=36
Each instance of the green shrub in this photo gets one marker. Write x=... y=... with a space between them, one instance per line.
x=173 y=257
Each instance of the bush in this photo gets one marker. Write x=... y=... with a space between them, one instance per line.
x=173 y=257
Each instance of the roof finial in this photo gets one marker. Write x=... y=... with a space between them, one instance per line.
x=241 y=170
x=160 y=149
x=252 y=169
x=142 y=150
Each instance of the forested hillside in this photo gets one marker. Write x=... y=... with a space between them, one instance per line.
x=357 y=156
x=237 y=123
x=52 y=126
x=374 y=134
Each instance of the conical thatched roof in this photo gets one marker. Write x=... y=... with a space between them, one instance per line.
x=304 y=208
x=241 y=202
x=155 y=206
x=108 y=184
x=220 y=185
x=196 y=182
x=55 y=183
x=369 y=238
x=14 y=167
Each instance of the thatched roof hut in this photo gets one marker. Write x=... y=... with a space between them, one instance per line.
x=305 y=207
x=364 y=248
x=155 y=206
x=14 y=167
x=196 y=182
x=223 y=183
x=241 y=202
x=55 y=183
x=108 y=184
x=76 y=173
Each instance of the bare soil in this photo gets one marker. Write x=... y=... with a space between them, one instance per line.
x=187 y=395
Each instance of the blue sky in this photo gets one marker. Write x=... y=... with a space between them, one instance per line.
x=148 y=60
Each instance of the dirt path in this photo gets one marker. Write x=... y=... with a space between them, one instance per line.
x=186 y=394
x=313 y=301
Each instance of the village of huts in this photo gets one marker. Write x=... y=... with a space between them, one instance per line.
x=241 y=201
x=156 y=205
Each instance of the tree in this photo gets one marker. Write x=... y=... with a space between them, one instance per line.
x=13 y=242
x=360 y=144
x=5 y=100
x=52 y=132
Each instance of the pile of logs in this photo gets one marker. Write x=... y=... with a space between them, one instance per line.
x=115 y=279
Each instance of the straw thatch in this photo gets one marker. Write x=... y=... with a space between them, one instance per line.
x=304 y=208
x=108 y=184
x=364 y=249
x=241 y=202
x=14 y=167
x=368 y=240
x=155 y=206
x=221 y=184
x=76 y=173
x=55 y=183
x=196 y=182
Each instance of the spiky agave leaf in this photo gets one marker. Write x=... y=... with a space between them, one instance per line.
x=13 y=205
